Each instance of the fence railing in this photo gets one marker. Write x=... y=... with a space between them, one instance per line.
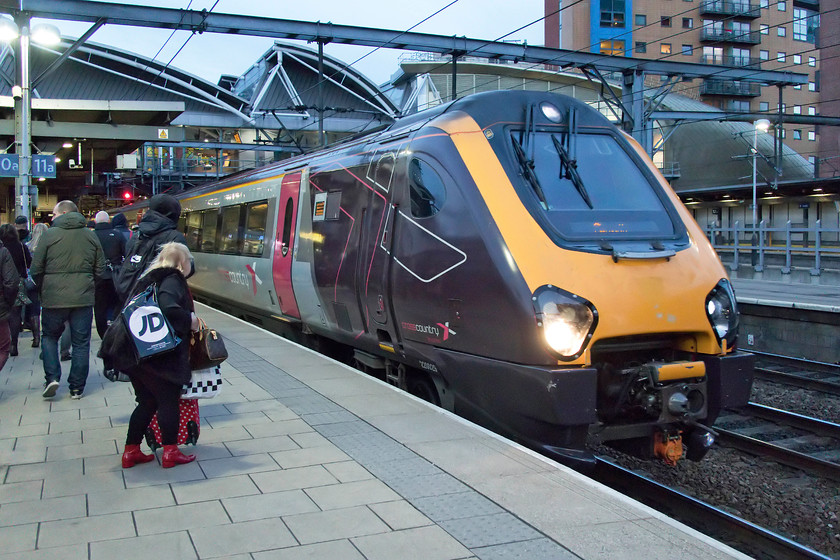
x=810 y=247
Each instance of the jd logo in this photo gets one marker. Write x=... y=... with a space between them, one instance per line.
x=146 y=324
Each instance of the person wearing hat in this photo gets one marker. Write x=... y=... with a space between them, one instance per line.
x=113 y=247
x=22 y=225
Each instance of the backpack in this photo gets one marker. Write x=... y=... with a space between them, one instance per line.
x=140 y=255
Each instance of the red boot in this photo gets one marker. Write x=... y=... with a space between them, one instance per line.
x=172 y=456
x=133 y=456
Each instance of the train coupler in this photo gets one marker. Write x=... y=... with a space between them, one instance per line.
x=668 y=446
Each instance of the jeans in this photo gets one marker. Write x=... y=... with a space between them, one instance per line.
x=52 y=325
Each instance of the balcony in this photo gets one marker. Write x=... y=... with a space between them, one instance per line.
x=730 y=36
x=731 y=8
x=736 y=61
x=733 y=89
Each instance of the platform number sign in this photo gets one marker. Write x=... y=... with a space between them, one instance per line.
x=42 y=166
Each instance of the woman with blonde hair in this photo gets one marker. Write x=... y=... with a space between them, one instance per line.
x=158 y=380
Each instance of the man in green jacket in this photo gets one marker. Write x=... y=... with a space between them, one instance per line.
x=65 y=266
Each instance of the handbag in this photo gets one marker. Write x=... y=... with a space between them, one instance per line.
x=204 y=384
x=22 y=298
x=207 y=349
x=28 y=282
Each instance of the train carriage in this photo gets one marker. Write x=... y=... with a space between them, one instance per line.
x=510 y=256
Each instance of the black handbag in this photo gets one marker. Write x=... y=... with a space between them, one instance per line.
x=207 y=349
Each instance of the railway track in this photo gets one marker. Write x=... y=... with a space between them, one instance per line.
x=792 y=439
x=806 y=374
x=739 y=533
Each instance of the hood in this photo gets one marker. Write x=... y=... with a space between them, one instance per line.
x=70 y=220
x=119 y=221
x=154 y=222
x=167 y=205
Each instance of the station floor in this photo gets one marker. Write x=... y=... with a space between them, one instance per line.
x=299 y=458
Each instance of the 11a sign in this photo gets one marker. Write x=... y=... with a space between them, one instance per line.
x=42 y=166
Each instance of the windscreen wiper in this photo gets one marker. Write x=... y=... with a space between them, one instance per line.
x=527 y=166
x=568 y=170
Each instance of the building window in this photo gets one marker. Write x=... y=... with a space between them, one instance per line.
x=641 y=47
x=812 y=135
x=797 y=86
x=612 y=47
x=687 y=50
x=797 y=109
x=812 y=111
x=784 y=107
x=739 y=105
x=765 y=3
x=797 y=59
x=812 y=86
x=781 y=31
x=665 y=48
x=688 y=23
x=641 y=19
x=764 y=55
x=781 y=56
x=805 y=25
x=764 y=29
x=783 y=133
x=782 y=6
x=812 y=160
x=812 y=61
x=665 y=21
x=612 y=13
x=763 y=106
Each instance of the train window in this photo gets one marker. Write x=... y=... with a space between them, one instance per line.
x=254 y=236
x=193 y=231
x=426 y=189
x=209 y=226
x=287 y=226
x=605 y=194
x=229 y=239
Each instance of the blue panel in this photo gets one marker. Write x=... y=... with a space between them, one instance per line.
x=598 y=33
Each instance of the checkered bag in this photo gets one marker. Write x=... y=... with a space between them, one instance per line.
x=204 y=384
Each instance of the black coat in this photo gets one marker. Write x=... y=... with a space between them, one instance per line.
x=9 y=282
x=175 y=301
x=113 y=246
x=21 y=257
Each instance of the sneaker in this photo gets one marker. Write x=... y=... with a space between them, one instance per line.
x=76 y=394
x=50 y=389
x=66 y=357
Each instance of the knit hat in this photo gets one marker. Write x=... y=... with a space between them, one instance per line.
x=21 y=220
x=167 y=205
x=102 y=216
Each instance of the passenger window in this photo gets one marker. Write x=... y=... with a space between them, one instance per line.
x=209 y=226
x=230 y=230
x=427 y=191
x=254 y=236
x=193 y=231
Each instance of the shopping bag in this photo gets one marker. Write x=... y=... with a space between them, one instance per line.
x=204 y=384
x=147 y=325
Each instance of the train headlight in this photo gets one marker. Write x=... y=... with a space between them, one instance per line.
x=722 y=311
x=567 y=320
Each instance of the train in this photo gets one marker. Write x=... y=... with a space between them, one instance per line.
x=510 y=256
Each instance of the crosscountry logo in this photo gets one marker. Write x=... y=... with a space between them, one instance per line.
x=146 y=324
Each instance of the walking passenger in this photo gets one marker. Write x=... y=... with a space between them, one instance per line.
x=107 y=303
x=120 y=225
x=23 y=260
x=9 y=280
x=65 y=266
x=158 y=380
x=33 y=310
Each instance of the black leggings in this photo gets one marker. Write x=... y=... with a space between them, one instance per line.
x=154 y=394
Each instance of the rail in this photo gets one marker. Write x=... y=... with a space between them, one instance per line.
x=812 y=247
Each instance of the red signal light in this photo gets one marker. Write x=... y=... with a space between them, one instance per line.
x=127 y=195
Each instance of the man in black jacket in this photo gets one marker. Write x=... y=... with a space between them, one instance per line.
x=113 y=247
x=158 y=226
x=9 y=281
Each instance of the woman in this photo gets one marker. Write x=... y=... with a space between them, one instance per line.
x=22 y=259
x=158 y=381
x=33 y=310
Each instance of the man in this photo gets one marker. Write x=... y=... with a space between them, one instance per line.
x=113 y=248
x=158 y=226
x=22 y=225
x=65 y=266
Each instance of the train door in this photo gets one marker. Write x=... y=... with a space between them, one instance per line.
x=284 y=241
x=375 y=259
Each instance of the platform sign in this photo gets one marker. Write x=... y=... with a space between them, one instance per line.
x=42 y=166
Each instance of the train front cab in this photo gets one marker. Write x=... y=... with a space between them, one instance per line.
x=653 y=317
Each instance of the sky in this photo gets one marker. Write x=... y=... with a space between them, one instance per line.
x=210 y=55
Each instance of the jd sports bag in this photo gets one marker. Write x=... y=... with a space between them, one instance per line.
x=147 y=325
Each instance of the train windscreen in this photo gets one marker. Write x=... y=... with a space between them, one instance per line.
x=589 y=187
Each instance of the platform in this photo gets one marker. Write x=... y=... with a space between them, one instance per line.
x=798 y=290
x=299 y=457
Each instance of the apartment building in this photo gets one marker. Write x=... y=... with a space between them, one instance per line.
x=765 y=34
